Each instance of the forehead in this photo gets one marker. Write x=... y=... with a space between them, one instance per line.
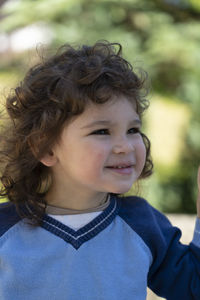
x=110 y=109
x=118 y=110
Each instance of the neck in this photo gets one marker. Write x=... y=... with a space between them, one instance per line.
x=75 y=201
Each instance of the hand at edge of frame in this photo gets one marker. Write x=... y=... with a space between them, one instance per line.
x=198 y=196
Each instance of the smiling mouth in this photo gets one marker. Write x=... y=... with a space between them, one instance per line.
x=124 y=170
x=120 y=167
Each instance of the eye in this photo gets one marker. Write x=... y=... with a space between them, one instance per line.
x=101 y=132
x=133 y=130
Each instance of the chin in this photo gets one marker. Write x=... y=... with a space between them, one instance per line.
x=120 y=190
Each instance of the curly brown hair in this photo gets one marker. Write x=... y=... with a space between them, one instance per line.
x=52 y=92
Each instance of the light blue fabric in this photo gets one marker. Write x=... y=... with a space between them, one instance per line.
x=196 y=237
x=128 y=247
x=36 y=264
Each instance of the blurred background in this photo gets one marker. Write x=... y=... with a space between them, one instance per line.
x=162 y=37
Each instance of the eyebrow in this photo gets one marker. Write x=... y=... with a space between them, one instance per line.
x=105 y=122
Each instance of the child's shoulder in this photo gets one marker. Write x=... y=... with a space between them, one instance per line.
x=134 y=205
x=8 y=216
x=150 y=224
x=137 y=210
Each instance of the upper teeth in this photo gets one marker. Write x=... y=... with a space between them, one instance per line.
x=119 y=167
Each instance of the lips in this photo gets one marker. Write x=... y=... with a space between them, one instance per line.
x=121 y=165
x=122 y=169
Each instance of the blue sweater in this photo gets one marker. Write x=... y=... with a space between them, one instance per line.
x=128 y=246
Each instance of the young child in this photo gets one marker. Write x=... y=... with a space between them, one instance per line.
x=72 y=147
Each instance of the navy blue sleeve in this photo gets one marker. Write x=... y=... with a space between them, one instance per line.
x=175 y=271
x=8 y=217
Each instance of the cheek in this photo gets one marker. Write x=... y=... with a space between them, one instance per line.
x=141 y=155
x=94 y=155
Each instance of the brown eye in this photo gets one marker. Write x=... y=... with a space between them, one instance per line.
x=100 y=132
x=133 y=130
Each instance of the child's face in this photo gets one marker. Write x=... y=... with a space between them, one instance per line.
x=104 y=136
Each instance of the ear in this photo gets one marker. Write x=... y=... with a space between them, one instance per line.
x=49 y=159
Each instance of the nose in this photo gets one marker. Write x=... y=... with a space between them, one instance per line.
x=123 y=145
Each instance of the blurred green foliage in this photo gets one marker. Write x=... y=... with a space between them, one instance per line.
x=161 y=36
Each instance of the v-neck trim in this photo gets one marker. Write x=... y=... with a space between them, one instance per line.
x=85 y=233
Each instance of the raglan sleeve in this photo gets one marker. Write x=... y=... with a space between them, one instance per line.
x=175 y=270
x=8 y=217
